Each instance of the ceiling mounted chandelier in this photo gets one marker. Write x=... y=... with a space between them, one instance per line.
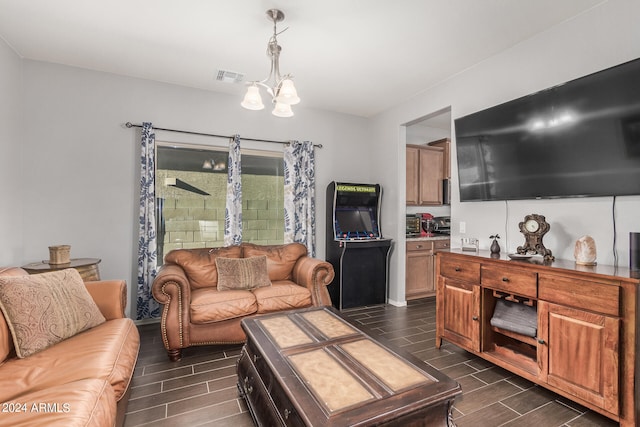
x=283 y=92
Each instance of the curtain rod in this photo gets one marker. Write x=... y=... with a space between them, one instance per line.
x=132 y=125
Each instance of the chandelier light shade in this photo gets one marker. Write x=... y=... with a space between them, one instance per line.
x=281 y=88
x=287 y=93
x=282 y=110
x=252 y=100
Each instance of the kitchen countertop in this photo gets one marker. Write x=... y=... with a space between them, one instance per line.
x=435 y=237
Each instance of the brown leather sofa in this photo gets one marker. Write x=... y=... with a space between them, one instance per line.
x=80 y=381
x=197 y=313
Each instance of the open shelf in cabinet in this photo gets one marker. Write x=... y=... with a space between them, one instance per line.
x=512 y=347
x=525 y=339
x=514 y=351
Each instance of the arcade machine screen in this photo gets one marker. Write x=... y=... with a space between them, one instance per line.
x=356 y=223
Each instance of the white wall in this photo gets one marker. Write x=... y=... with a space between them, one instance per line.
x=81 y=165
x=12 y=247
x=69 y=175
x=420 y=135
x=602 y=37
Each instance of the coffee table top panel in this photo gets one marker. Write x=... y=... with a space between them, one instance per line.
x=333 y=385
x=284 y=332
x=328 y=324
x=394 y=372
x=296 y=329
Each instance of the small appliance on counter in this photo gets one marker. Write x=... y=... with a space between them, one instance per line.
x=435 y=226
x=428 y=225
x=443 y=225
x=413 y=225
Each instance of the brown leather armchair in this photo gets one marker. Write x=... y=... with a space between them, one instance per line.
x=196 y=312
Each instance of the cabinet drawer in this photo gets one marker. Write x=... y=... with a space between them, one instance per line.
x=466 y=271
x=441 y=244
x=255 y=393
x=601 y=297
x=420 y=245
x=512 y=280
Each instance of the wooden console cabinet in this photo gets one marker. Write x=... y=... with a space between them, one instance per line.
x=587 y=318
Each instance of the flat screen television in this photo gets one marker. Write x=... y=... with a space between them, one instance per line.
x=577 y=139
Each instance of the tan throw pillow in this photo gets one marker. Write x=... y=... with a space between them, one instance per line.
x=44 y=309
x=242 y=273
x=199 y=264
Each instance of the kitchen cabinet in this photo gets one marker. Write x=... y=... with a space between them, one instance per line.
x=412 y=171
x=445 y=144
x=585 y=340
x=424 y=175
x=420 y=273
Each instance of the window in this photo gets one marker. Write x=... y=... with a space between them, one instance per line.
x=191 y=188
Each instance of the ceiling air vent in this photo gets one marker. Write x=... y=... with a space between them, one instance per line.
x=227 y=76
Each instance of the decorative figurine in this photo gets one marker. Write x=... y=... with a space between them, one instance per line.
x=585 y=251
x=495 y=247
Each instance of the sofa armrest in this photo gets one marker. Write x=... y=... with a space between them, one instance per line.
x=110 y=296
x=172 y=289
x=315 y=275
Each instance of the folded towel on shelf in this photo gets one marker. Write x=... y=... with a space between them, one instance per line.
x=515 y=317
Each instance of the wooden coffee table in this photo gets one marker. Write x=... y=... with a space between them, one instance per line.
x=311 y=367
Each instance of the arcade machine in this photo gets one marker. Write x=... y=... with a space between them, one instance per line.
x=355 y=246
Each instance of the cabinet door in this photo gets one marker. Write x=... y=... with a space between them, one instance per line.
x=431 y=175
x=458 y=313
x=413 y=159
x=580 y=353
x=445 y=144
x=420 y=274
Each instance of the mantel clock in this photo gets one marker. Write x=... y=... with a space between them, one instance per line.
x=534 y=227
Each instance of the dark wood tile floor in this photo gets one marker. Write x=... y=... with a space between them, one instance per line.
x=200 y=390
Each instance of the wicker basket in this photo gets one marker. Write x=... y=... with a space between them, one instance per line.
x=59 y=254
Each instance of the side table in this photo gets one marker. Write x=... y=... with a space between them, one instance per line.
x=87 y=267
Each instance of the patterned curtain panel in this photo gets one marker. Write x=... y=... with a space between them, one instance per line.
x=299 y=195
x=147 y=307
x=233 y=210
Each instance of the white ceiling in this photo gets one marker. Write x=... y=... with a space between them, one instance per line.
x=352 y=56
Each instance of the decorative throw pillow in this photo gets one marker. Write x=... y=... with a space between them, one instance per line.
x=199 y=263
x=242 y=273
x=44 y=309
